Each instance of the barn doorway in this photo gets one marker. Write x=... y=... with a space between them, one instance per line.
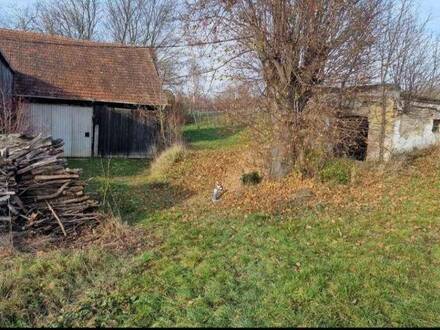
x=353 y=141
x=131 y=133
x=72 y=124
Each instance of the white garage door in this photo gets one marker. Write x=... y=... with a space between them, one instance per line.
x=73 y=124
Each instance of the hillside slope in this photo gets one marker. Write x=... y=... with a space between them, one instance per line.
x=297 y=252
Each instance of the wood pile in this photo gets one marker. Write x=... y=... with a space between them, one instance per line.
x=38 y=194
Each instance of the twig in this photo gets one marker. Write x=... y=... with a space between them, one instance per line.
x=56 y=217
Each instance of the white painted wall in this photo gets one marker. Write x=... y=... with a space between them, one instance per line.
x=66 y=122
x=415 y=131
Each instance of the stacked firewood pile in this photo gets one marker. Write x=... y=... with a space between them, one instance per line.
x=38 y=194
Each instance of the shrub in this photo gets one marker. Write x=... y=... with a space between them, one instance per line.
x=337 y=171
x=311 y=162
x=163 y=163
x=251 y=178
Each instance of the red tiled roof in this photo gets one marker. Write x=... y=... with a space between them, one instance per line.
x=61 y=68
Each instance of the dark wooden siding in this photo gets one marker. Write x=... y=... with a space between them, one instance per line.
x=125 y=132
x=6 y=80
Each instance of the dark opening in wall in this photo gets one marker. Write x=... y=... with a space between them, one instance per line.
x=353 y=137
x=435 y=125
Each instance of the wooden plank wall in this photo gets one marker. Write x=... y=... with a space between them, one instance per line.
x=6 y=81
x=125 y=132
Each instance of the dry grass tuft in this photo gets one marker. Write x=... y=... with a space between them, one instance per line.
x=110 y=235
x=163 y=163
x=113 y=235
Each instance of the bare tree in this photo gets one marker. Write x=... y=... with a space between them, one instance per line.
x=141 y=22
x=125 y=20
x=72 y=18
x=26 y=19
x=78 y=19
x=22 y=18
x=150 y=23
x=407 y=54
x=297 y=46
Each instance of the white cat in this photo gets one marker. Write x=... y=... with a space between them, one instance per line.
x=218 y=192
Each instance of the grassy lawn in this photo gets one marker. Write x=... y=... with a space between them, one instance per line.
x=124 y=189
x=212 y=137
x=359 y=254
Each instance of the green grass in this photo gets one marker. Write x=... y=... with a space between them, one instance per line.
x=116 y=167
x=322 y=266
x=336 y=171
x=124 y=188
x=208 y=136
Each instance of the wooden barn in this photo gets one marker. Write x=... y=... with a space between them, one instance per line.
x=6 y=81
x=99 y=98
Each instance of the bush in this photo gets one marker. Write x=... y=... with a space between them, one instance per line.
x=311 y=162
x=163 y=163
x=337 y=171
x=251 y=178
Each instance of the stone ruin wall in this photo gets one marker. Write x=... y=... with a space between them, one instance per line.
x=405 y=124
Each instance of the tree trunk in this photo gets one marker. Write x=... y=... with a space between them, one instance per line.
x=282 y=149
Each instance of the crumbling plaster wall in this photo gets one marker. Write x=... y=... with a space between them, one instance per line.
x=403 y=124
x=413 y=127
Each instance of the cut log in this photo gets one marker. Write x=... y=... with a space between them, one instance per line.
x=56 y=177
x=55 y=195
x=36 y=188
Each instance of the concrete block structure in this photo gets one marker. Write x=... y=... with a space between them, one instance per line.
x=396 y=122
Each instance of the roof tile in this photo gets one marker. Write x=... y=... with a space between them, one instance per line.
x=57 y=67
